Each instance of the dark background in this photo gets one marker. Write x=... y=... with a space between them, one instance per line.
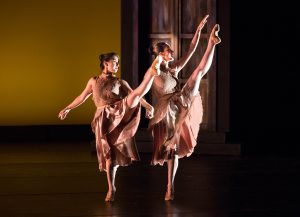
x=264 y=77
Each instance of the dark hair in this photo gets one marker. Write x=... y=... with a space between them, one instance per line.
x=106 y=57
x=155 y=49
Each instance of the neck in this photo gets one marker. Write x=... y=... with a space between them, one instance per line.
x=107 y=73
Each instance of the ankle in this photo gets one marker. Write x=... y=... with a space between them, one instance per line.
x=111 y=189
x=170 y=187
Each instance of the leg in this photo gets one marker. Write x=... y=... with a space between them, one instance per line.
x=183 y=111
x=138 y=93
x=111 y=175
x=205 y=63
x=172 y=169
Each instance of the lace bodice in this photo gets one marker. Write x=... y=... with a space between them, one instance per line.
x=165 y=83
x=108 y=90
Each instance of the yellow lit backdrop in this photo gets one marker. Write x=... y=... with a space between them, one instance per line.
x=48 y=51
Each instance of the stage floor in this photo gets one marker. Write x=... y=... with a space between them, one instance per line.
x=62 y=179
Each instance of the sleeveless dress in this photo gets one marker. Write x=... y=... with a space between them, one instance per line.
x=177 y=118
x=114 y=123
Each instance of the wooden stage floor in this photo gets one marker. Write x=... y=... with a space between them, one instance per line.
x=62 y=179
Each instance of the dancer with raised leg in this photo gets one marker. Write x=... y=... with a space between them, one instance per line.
x=178 y=112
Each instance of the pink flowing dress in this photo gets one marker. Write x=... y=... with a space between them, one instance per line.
x=177 y=118
x=114 y=123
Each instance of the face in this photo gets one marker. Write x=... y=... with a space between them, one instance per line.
x=112 y=65
x=167 y=54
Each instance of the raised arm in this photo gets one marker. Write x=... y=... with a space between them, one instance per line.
x=187 y=56
x=149 y=108
x=78 y=100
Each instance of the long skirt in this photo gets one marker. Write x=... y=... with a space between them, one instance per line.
x=175 y=125
x=114 y=126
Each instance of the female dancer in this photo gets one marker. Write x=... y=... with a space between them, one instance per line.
x=178 y=113
x=117 y=115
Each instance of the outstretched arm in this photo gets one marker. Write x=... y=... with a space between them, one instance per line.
x=149 y=108
x=78 y=100
x=194 y=43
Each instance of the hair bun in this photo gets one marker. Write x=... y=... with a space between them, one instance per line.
x=153 y=50
x=158 y=47
x=101 y=57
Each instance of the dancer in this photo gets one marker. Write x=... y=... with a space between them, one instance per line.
x=178 y=112
x=117 y=115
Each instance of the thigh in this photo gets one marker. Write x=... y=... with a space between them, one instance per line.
x=187 y=94
x=132 y=99
x=191 y=87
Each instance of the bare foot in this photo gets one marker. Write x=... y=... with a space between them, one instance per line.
x=214 y=38
x=110 y=196
x=169 y=194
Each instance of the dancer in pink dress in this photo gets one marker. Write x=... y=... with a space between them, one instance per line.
x=178 y=112
x=117 y=115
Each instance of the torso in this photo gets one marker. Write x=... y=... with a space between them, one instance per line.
x=108 y=89
x=167 y=82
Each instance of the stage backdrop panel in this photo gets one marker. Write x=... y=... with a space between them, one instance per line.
x=48 y=51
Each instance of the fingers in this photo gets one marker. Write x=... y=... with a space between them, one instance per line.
x=203 y=22
x=149 y=114
x=62 y=115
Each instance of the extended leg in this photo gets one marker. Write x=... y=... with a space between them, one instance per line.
x=205 y=63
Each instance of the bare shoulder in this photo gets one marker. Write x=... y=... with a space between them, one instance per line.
x=123 y=82
x=125 y=85
x=93 y=80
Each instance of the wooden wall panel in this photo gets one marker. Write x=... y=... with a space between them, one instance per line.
x=204 y=92
x=195 y=59
x=162 y=11
x=192 y=13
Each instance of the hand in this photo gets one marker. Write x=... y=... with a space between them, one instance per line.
x=159 y=59
x=63 y=113
x=202 y=23
x=149 y=112
x=156 y=65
